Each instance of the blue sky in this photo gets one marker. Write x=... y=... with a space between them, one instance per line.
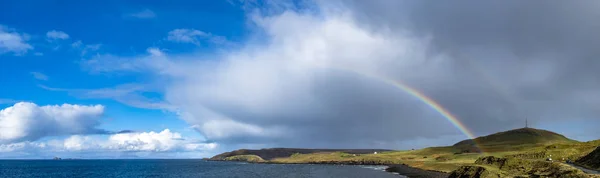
x=97 y=28
x=115 y=28
x=195 y=78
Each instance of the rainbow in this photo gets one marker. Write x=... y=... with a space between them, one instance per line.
x=421 y=97
x=432 y=104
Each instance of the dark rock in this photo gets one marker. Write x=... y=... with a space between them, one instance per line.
x=491 y=160
x=472 y=172
x=415 y=172
x=591 y=160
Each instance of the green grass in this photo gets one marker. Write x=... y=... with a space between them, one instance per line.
x=518 y=139
x=535 y=146
x=524 y=157
x=245 y=158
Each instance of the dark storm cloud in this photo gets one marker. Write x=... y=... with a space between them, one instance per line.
x=512 y=59
x=527 y=27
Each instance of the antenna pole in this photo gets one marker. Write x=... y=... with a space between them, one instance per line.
x=526 y=125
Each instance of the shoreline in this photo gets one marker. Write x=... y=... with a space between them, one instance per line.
x=585 y=169
x=400 y=169
x=413 y=172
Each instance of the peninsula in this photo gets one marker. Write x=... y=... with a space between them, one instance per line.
x=525 y=152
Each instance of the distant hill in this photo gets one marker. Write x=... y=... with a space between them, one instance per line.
x=270 y=153
x=523 y=136
x=245 y=158
x=592 y=160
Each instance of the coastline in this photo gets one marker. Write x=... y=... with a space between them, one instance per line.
x=584 y=168
x=510 y=154
x=400 y=169
x=413 y=172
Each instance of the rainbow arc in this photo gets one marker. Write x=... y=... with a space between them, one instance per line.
x=423 y=98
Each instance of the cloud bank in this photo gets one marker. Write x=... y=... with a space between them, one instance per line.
x=26 y=121
x=147 y=144
x=313 y=76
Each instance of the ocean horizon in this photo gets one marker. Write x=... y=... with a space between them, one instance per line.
x=177 y=168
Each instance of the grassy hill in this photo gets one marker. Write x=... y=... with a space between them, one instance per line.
x=513 y=139
x=270 y=153
x=245 y=158
x=519 y=152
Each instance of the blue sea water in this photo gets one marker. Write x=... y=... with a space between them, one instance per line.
x=177 y=168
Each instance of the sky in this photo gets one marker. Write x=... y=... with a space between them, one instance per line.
x=191 y=79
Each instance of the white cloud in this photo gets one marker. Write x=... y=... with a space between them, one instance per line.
x=13 y=42
x=144 y=14
x=114 y=145
x=85 y=48
x=194 y=36
x=77 y=44
x=292 y=85
x=262 y=89
x=57 y=35
x=78 y=142
x=28 y=122
x=109 y=63
x=39 y=76
x=90 y=48
x=12 y=147
x=154 y=142
x=186 y=35
x=155 y=52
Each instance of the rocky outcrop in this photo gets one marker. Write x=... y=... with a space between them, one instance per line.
x=505 y=164
x=491 y=160
x=415 y=172
x=530 y=155
x=473 y=172
x=591 y=160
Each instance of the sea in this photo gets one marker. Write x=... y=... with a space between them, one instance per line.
x=179 y=169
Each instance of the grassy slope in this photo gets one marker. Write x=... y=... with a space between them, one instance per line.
x=521 y=144
x=245 y=158
x=270 y=153
x=518 y=139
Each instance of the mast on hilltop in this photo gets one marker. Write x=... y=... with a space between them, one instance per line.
x=526 y=124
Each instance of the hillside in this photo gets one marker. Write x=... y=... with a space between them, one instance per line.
x=245 y=158
x=497 y=167
x=520 y=152
x=270 y=153
x=522 y=136
x=591 y=160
